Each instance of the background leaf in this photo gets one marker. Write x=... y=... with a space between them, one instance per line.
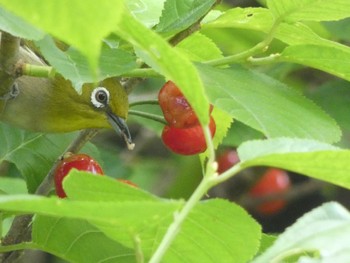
x=33 y=153
x=266 y=104
x=146 y=11
x=178 y=15
x=74 y=66
x=309 y=10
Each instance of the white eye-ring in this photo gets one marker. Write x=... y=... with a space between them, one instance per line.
x=100 y=97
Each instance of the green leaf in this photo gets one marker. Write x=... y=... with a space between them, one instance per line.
x=329 y=59
x=309 y=10
x=158 y=54
x=16 y=26
x=261 y=19
x=33 y=153
x=74 y=66
x=101 y=188
x=239 y=133
x=266 y=104
x=199 y=47
x=314 y=234
x=179 y=15
x=78 y=24
x=13 y=185
x=216 y=231
x=81 y=241
x=334 y=97
x=146 y=11
x=312 y=158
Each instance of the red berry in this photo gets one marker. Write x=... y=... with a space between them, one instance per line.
x=226 y=160
x=80 y=162
x=187 y=141
x=176 y=109
x=273 y=181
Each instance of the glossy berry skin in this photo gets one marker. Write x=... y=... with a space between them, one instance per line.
x=273 y=181
x=187 y=141
x=81 y=162
x=176 y=110
x=226 y=160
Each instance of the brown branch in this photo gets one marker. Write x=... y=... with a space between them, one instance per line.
x=20 y=230
x=9 y=55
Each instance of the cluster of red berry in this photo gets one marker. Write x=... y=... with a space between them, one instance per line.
x=183 y=134
x=81 y=162
x=273 y=181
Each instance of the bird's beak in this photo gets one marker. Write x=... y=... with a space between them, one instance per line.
x=120 y=126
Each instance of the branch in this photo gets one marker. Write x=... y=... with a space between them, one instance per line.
x=9 y=55
x=20 y=230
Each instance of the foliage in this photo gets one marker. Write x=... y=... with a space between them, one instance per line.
x=244 y=61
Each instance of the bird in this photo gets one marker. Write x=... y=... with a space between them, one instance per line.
x=52 y=105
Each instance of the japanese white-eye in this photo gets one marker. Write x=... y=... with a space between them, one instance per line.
x=53 y=105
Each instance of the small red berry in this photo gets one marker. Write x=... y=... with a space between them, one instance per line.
x=226 y=160
x=80 y=162
x=273 y=181
x=176 y=109
x=187 y=141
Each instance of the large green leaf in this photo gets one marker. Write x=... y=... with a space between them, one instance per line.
x=16 y=26
x=310 y=10
x=216 y=231
x=321 y=235
x=329 y=59
x=178 y=15
x=81 y=242
x=166 y=60
x=315 y=159
x=80 y=24
x=74 y=66
x=267 y=105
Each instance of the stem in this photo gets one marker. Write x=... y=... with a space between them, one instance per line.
x=16 y=247
x=142 y=73
x=144 y=102
x=201 y=190
x=264 y=60
x=149 y=116
x=37 y=71
x=260 y=47
x=138 y=251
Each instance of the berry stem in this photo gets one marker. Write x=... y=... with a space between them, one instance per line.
x=149 y=116
x=143 y=102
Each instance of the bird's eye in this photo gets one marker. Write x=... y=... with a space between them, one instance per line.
x=100 y=97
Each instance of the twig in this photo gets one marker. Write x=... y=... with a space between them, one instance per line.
x=9 y=55
x=20 y=230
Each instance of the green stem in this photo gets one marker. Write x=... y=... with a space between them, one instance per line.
x=142 y=73
x=264 y=60
x=144 y=102
x=38 y=71
x=201 y=190
x=149 y=116
x=20 y=246
x=258 y=48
